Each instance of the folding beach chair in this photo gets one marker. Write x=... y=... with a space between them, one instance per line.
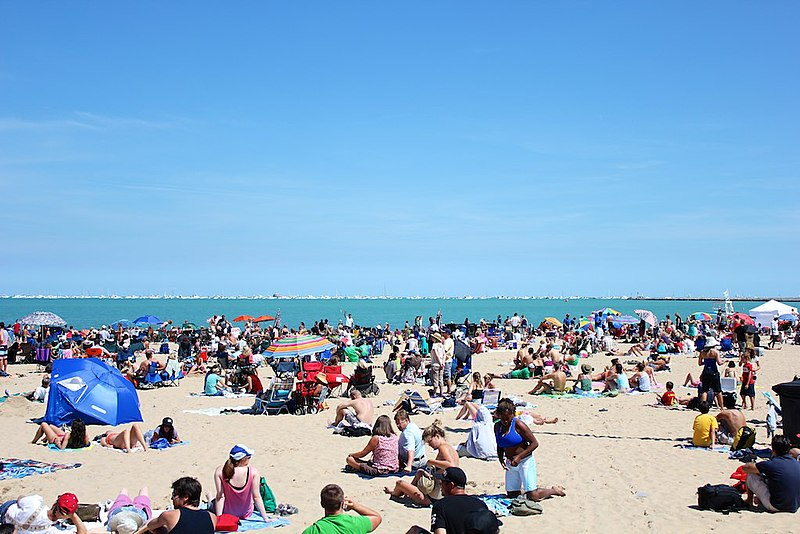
x=728 y=385
x=491 y=397
x=414 y=403
x=42 y=357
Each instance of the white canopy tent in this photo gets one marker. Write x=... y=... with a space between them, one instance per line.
x=764 y=313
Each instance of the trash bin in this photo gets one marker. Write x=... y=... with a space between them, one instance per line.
x=789 y=392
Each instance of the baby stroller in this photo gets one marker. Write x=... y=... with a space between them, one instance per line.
x=363 y=380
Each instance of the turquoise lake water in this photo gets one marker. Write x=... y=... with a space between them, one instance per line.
x=83 y=313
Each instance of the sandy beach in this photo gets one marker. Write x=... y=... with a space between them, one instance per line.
x=616 y=457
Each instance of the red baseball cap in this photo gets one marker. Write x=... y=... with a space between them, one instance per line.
x=68 y=502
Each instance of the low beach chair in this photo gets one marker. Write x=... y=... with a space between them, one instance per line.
x=416 y=404
x=42 y=357
x=491 y=397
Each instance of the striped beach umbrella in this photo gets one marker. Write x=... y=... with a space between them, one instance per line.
x=297 y=345
x=607 y=311
x=700 y=316
x=585 y=325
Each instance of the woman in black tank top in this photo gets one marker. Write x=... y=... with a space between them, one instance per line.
x=193 y=522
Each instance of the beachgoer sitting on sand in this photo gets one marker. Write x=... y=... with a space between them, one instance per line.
x=214 y=385
x=384 y=449
x=166 y=430
x=515 y=445
x=659 y=363
x=40 y=393
x=730 y=421
x=358 y=410
x=126 y=439
x=73 y=438
x=447 y=456
x=557 y=385
x=730 y=370
x=335 y=504
x=668 y=398
x=410 y=445
x=642 y=378
x=583 y=382
x=237 y=485
x=775 y=482
x=705 y=427
x=487 y=382
x=30 y=515
x=186 y=517
x=480 y=441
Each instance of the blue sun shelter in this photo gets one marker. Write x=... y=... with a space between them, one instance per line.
x=93 y=391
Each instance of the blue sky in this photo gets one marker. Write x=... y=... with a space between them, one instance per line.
x=416 y=148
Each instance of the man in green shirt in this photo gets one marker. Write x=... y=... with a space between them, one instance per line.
x=336 y=521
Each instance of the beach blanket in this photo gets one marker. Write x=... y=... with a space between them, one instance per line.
x=367 y=477
x=716 y=448
x=499 y=504
x=54 y=447
x=587 y=395
x=256 y=522
x=13 y=468
x=225 y=395
x=215 y=412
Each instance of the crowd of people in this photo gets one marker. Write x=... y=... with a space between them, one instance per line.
x=550 y=355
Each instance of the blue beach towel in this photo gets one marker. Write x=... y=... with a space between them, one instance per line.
x=256 y=522
x=499 y=504
x=14 y=468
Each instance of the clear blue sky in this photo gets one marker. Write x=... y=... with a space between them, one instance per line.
x=433 y=148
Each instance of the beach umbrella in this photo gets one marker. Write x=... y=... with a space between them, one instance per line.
x=190 y=326
x=124 y=323
x=262 y=318
x=700 y=316
x=743 y=317
x=647 y=316
x=242 y=319
x=624 y=319
x=93 y=391
x=147 y=320
x=788 y=317
x=553 y=321
x=607 y=311
x=297 y=345
x=41 y=318
x=585 y=324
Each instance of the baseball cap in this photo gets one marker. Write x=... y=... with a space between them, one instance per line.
x=68 y=502
x=481 y=522
x=240 y=451
x=454 y=475
x=167 y=421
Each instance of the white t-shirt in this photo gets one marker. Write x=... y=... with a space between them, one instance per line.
x=515 y=321
x=40 y=394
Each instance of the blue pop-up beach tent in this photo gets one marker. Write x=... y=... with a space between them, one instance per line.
x=90 y=390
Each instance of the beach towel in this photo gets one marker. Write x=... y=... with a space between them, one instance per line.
x=13 y=468
x=256 y=522
x=587 y=395
x=215 y=412
x=499 y=504
x=384 y=475
x=162 y=444
x=716 y=448
x=54 y=447
x=225 y=395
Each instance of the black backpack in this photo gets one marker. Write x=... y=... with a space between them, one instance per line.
x=720 y=498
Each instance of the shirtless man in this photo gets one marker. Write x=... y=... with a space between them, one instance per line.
x=559 y=385
x=357 y=409
x=524 y=357
x=730 y=421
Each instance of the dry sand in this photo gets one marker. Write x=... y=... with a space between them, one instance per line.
x=616 y=457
